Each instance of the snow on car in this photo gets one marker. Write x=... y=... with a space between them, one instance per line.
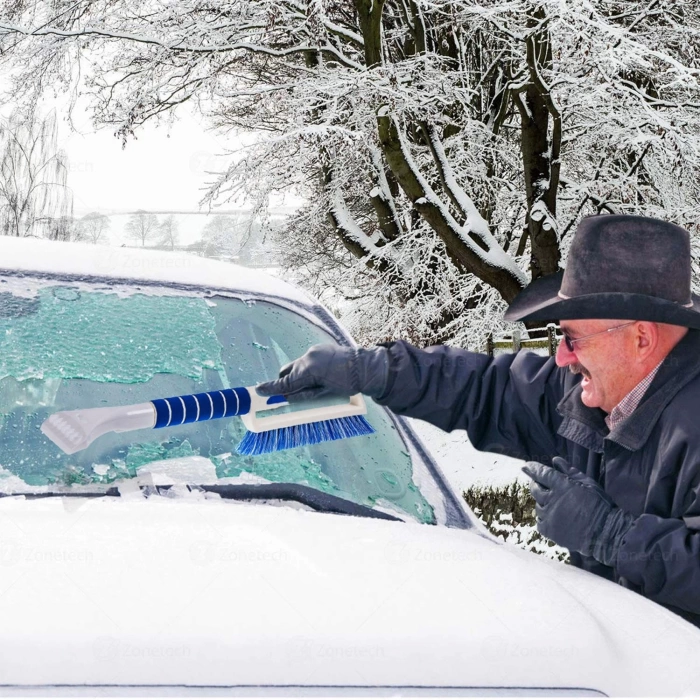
x=162 y=559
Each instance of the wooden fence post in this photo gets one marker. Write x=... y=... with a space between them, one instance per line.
x=516 y=340
x=489 y=344
x=552 y=338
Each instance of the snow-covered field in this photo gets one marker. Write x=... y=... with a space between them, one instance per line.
x=462 y=464
x=189 y=228
x=190 y=225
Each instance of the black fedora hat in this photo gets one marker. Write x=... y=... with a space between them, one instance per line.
x=619 y=267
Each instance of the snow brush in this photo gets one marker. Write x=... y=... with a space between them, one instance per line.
x=73 y=431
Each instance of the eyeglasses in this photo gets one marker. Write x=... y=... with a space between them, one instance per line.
x=570 y=341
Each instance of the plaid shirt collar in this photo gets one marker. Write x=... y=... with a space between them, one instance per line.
x=630 y=402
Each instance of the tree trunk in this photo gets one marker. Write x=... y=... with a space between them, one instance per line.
x=540 y=154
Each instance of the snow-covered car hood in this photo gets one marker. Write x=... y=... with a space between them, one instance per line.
x=203 y=592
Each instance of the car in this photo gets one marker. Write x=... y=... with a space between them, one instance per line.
x=161 y=561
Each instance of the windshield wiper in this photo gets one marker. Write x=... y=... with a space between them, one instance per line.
x=318 y=500
x=313 y=498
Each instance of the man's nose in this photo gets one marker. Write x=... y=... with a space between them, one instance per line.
x=564 y=357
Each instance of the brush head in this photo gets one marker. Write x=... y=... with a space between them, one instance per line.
x=304 y=434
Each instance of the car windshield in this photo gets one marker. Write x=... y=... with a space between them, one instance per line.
x=67 y=345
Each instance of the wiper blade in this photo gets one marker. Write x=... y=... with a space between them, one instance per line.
x=313 y=498
x=318 y=500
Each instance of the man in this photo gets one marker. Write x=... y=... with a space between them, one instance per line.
x=610 y=425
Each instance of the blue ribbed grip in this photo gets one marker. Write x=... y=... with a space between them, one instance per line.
x=191 y=408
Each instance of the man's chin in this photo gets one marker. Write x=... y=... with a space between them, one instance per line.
x=588 y=397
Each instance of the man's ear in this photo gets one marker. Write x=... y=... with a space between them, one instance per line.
x=647 y=337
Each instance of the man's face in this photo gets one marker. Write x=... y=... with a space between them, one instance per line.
x=604 y=361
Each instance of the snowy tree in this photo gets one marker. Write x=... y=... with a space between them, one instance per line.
x=169 y=231
x=141 y=226
x=93 y=227
x=34 y=196
x=446 y=149
x=61 y=228
x=222 y=237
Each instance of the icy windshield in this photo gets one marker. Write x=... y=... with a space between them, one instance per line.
x=66 y=346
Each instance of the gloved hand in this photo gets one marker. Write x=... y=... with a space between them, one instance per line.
x=574 y=511
x=331 y=370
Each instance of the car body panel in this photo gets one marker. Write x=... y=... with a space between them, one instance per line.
x=199 y=591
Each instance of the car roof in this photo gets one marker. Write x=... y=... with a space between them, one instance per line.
x=148 y=265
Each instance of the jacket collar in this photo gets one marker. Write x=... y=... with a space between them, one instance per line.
x=681 y=365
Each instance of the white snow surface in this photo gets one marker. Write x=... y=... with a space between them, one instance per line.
x=170 y=591
x=35 y=255
x=462 y=464
x=312 y=615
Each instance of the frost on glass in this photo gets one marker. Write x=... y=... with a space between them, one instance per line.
x=66 y=348
x=69 y=334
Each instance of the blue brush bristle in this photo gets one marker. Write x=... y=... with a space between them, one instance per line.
x=306 y=434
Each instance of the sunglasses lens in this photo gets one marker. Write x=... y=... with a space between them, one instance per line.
x=569 y=344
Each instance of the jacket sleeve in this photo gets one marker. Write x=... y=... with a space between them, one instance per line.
x=506 y=404
x=661 y=555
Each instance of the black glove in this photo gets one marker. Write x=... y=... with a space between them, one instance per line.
x=331 y=370
x=574 y=511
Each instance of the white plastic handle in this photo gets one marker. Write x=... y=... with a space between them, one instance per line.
x=356 y=406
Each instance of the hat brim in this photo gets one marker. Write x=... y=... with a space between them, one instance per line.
x=539 y=301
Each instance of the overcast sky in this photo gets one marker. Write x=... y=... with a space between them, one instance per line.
x=164 y=169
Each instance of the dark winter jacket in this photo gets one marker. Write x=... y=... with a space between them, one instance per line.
x=524 y=406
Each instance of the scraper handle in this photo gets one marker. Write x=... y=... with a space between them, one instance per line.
x=192 y=408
